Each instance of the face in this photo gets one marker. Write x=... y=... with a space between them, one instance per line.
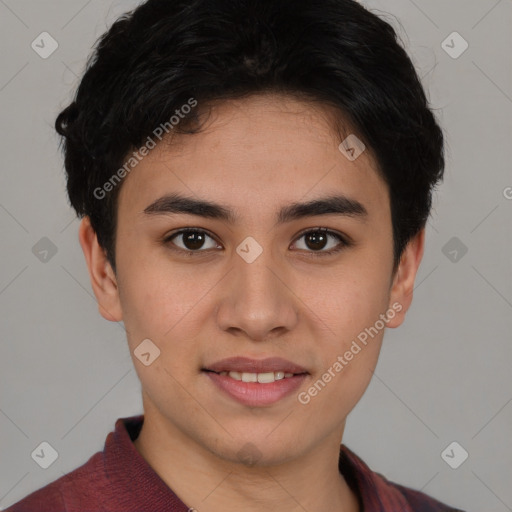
x=251 y=276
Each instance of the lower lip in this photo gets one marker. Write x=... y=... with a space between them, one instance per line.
x=255 y=394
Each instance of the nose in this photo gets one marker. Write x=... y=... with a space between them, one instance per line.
x=257 y=301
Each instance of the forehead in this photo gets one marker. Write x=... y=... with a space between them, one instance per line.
x=257 y=151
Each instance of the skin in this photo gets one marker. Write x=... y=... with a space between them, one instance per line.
x=254 y=156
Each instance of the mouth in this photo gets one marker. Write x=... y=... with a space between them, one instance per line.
x=261 y=378
x=263 y=371
x=256 y=382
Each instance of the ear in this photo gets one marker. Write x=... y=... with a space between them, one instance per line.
x=403 y=282
x=101 y=274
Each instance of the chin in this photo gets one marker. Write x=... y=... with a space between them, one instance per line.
x=253 y=452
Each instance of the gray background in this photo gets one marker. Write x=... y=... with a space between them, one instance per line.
x=66 y=373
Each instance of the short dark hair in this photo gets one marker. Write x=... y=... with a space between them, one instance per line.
x=335 y=52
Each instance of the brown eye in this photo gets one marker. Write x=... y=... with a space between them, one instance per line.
x=321 y=241
x=192 y=240
x=316 y=240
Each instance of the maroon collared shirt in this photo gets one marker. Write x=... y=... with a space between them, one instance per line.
x=118 y=479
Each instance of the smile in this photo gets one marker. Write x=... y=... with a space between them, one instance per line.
x=258 y=389
x=262 y=378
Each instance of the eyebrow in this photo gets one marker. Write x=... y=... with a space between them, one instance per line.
x=335 y=204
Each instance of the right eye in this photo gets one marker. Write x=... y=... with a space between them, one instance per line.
x=192 y=240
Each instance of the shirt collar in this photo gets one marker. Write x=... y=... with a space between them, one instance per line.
x=374 y=491
x=126 y=469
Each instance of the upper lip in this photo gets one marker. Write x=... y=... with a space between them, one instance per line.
x=245 y=364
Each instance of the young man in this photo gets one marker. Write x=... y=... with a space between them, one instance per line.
x=254 y=180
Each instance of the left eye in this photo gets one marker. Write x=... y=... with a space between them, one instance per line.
x=318 y=241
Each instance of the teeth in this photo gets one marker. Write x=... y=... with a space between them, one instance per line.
x=249 y=377
x=262 y=378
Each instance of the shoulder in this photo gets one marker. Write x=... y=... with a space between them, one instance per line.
x=420 y=502
x=47 y=498
x=69 y=493
x=376 y=492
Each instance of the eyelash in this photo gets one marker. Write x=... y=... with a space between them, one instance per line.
x=343 y=242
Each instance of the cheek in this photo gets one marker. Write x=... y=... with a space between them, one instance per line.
x=349 y=298
x=349 y=304
x=349 y=356
x=155 y=296
x=168 y=305
x=356 y=316
x=160 y=310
